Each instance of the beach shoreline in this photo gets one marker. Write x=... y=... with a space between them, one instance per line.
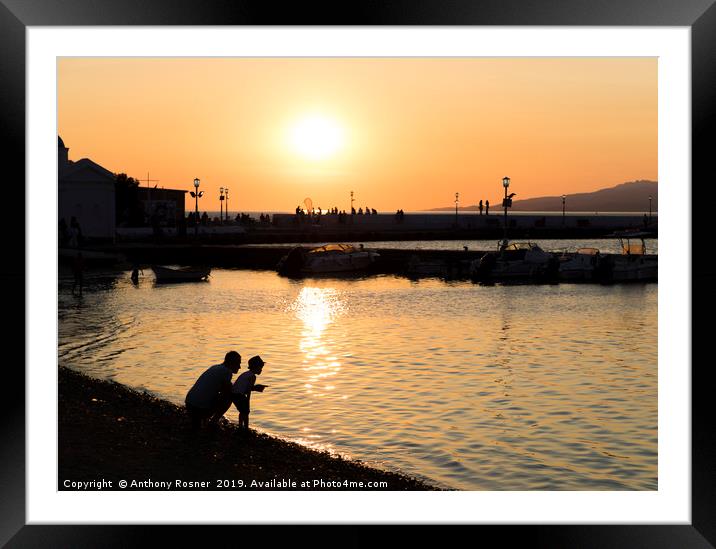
x=108 y=433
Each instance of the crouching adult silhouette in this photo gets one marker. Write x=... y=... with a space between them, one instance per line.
x=210 y=396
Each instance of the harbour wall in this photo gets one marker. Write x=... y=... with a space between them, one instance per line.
x=286 y=228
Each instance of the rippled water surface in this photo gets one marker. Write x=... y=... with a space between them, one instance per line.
x=550 y=387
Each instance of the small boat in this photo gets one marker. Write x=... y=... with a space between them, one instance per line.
x=515 y=261
x=634 y=264
x=331 y=258
x=584 y=265
x=181 y=274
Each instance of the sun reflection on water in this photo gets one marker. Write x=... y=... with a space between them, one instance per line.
x=317 y=308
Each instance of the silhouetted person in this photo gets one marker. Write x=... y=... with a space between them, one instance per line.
x=480 y=207
x=242 y=388
x=78 y=269
x=75 y=239
x=353 y=210
x=487 y=207
x=204 y=218
x=646 y=221
x=135 y=274
x=210 y=396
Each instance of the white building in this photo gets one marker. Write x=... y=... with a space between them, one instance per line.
x=85 y=191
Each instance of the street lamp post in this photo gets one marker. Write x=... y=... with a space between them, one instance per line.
x=649 y=208
x=564 y=199
x=226 y=210
x=351 y=203
x=505 y=203
x=197 y=195
x=457 y=198
x=221 y=204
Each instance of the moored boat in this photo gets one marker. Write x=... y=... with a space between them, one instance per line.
x=515 y=261
x=584 y=265
x=634 y=263
x=331 y=258
x=181 y=274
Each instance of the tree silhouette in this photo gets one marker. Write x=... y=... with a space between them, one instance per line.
x=128 y=208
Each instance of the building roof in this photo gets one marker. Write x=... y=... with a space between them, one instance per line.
x=60 y=143
x=85 y=166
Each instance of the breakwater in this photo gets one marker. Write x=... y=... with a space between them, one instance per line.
x=267 y=257
x=286 y=228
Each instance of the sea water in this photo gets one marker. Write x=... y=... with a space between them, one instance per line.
x=534 y=387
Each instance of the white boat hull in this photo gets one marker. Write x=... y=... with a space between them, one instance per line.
x=634 y=268
x=339 y=263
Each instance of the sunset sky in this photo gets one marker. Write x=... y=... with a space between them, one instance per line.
x=401 y=133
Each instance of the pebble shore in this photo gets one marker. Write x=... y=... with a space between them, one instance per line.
x=109 y=433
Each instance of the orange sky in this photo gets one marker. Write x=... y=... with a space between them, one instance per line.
x=414 y=131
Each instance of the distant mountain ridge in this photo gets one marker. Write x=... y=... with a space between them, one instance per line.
x=632 y=196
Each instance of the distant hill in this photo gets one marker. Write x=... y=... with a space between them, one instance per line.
x=632 y=196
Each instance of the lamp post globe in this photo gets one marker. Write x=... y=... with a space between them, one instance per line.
x=226 y=210
x=196 y=207
x=505 y=184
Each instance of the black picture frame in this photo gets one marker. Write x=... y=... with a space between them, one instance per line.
x=16 y=15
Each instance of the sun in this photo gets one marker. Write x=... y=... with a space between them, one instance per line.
x=316 y=137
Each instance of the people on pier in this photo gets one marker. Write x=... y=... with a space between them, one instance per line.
x=487 y=207
x=480 y=206
x=244 y=385
x=204 y=219
x=210 y=396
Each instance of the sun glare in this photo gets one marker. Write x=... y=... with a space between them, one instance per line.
x=316 y=137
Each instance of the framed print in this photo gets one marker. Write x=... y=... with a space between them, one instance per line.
x=555 y=410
